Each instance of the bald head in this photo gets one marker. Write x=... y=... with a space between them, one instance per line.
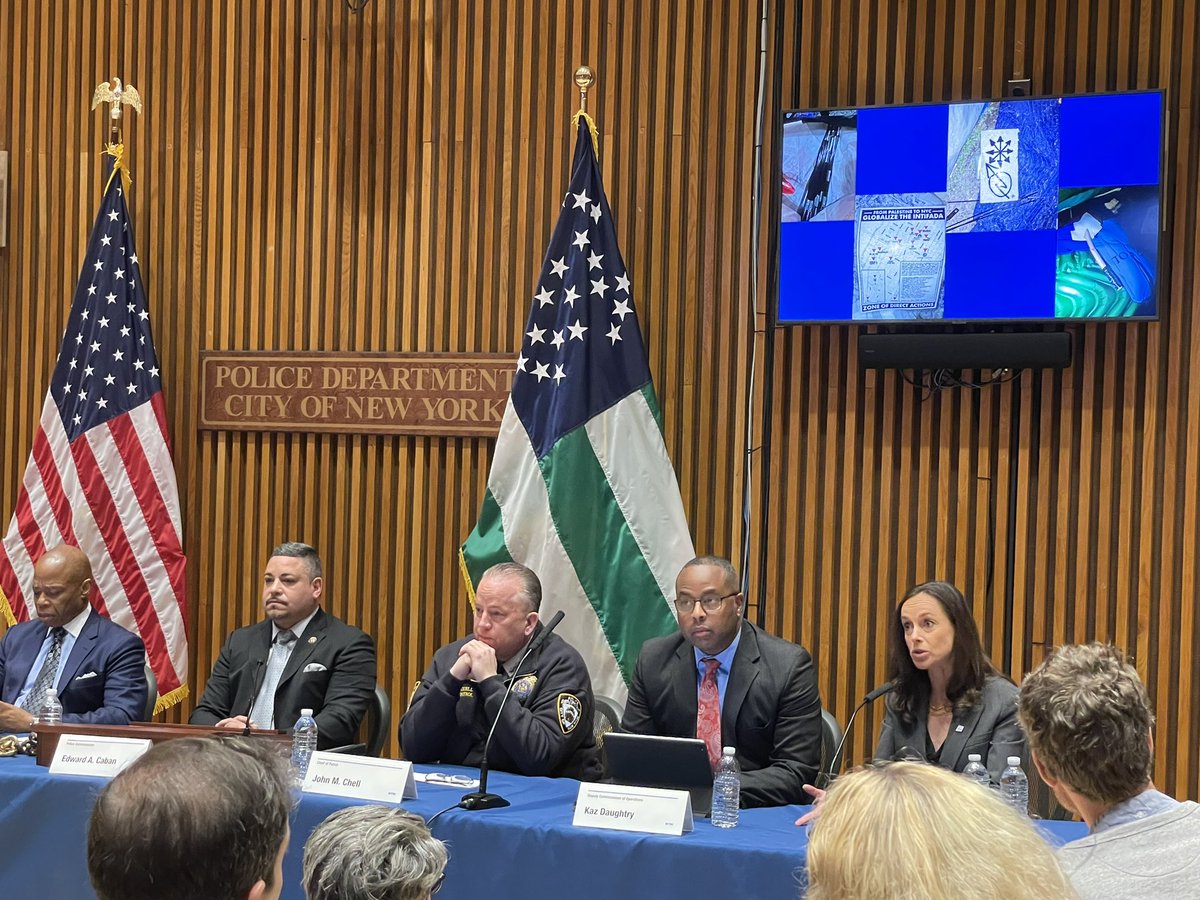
x=62 y=580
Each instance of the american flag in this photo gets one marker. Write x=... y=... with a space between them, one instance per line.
x=581 y=489
x=100 y=475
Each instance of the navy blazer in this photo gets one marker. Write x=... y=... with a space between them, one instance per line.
x=331 y=670
x=103 y=681
x=771 y=712
x=988 y=728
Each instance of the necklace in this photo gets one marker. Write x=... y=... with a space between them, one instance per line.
x=941 y=710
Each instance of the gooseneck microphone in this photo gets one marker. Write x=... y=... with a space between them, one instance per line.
x=886 y=688
x=481 y=799
x=256 y=682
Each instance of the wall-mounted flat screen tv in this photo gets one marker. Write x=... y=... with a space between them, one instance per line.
x=1027 y=209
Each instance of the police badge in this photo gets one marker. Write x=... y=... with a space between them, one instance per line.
x=570 y=711
x=524 y=686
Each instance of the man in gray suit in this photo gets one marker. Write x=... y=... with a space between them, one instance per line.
x=727 y=682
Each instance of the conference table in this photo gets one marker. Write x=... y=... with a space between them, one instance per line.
x=527 y=850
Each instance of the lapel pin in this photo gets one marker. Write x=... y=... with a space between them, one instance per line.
x=959 y=728
x=313 y=640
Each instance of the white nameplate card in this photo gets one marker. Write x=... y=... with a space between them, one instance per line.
x=360 y=777
x=99 y=756
x=648 y=810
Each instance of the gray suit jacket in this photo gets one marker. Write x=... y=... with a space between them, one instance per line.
x=988 y=728
x=771 y=713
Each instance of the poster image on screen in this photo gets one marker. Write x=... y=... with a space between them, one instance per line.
x=1009 y=210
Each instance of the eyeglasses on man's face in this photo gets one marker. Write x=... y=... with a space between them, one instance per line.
x=685 y=605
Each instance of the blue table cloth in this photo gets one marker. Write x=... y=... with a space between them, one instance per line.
x=527 y=850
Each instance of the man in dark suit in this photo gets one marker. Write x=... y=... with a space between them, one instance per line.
x=725 y=681
x=300 y=657
x=97 y=667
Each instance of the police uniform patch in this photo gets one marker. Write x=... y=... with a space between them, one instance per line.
x=570 y=711
x=524 y=686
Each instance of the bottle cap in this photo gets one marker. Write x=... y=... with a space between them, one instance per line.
x=974 y=757
x=729 y=751
x=1014 y=760
x=305 y=712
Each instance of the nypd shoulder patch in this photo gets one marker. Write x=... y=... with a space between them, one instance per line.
x=570 y=712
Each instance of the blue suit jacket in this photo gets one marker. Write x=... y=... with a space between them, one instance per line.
x=103 y=681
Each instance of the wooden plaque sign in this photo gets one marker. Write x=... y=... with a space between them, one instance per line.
x=360 y=393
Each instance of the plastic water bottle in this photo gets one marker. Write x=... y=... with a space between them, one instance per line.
x=51 y=711
x=1014 y=786
x=977 y=771
x=727 y=790
x=304 y=742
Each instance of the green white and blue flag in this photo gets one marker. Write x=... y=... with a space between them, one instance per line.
x=581 y=489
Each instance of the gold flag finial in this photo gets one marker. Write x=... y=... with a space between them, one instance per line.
x=116 y=94
x=585 y=78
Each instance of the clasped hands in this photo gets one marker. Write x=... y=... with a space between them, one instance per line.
x=476 y=661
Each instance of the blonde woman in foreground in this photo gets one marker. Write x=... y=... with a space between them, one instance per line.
x=912 y=831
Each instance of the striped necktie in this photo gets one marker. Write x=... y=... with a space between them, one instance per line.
x=37 y=697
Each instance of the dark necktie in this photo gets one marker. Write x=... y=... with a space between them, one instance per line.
x=708 y=712
x=45 y=680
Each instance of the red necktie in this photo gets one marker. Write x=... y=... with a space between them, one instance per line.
x=708 y=712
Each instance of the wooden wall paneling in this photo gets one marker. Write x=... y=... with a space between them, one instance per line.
x=716 y=357
x=1025 y=605
x=305 y=178
x=864 y=640
x=845 y=498
x=1036 y=479
x=1089 y=464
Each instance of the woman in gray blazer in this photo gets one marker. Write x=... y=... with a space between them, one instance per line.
x=949 y=700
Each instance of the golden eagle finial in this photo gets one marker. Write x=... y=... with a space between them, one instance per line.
x=116 y=94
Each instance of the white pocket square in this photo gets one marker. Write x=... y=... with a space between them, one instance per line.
x=314 y=667
x=86 y=675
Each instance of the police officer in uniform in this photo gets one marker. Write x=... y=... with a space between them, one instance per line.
x=546 y=726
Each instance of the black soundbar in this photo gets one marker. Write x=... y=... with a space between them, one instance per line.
x=1018 y=350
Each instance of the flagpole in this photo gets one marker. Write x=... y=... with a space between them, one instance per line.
x=114 y=117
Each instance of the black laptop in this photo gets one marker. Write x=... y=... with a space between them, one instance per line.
x=661 y=762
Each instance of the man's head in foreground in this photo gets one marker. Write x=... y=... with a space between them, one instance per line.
x=201 y=818
x=1087 y=716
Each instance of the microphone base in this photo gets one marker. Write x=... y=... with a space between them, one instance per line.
x=482 y=800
